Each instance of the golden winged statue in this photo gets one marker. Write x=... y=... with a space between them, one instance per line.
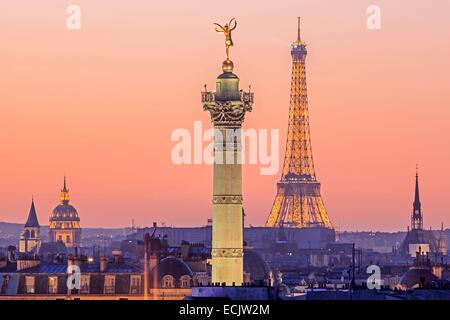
x=226 y=29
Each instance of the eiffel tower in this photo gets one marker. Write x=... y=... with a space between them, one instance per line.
x=298 y=202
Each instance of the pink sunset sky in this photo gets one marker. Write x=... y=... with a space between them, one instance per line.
x=100 y=104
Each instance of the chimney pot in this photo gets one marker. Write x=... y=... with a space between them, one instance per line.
x=103 y=264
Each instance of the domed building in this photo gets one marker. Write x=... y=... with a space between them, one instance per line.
x=64 y=222
x=419 y=275
x=256 y=270
x=171 y=272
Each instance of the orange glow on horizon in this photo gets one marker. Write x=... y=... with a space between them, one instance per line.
x=100 y=104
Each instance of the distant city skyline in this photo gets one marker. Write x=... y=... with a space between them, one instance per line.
x=99 y=105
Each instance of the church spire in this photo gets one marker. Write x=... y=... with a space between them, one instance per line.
x=417 y=218
x=416 y=193
x=32 y=221
x=65 y=193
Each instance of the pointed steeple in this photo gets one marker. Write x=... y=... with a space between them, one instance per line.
x=417 y=218
x=65 y=193
x=416 y=193
x=32 y=221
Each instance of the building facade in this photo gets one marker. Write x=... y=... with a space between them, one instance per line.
x=257 y=237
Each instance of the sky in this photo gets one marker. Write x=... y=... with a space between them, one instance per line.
x=99 y=104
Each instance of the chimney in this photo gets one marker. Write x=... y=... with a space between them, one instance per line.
x=165 y=242
x=247 y=278
x=117 y=256
x=437 y=271
x=103 y=264
x=185 y=248
x=10 y=257
x=146 y=266
x=70 y=261
x=153 y=262
x=271 y=279
x=155 y=251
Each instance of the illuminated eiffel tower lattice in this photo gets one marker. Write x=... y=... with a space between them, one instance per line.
x=298 y=202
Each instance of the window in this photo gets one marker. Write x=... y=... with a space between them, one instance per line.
x=67 y=239
x=135 y=287
x=29 y=284
x=167 y=281
x=53 y=284
x=185 y=281
x=110 y=284
x=60 y=238
x=84 y=284
x=5 y=284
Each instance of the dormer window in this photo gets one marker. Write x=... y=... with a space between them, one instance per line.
x=167 y=281
x=84 y=284
x=53 y=284
x=110 y=284
x=29 y=284
x=185 y=281
x=135 y=284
